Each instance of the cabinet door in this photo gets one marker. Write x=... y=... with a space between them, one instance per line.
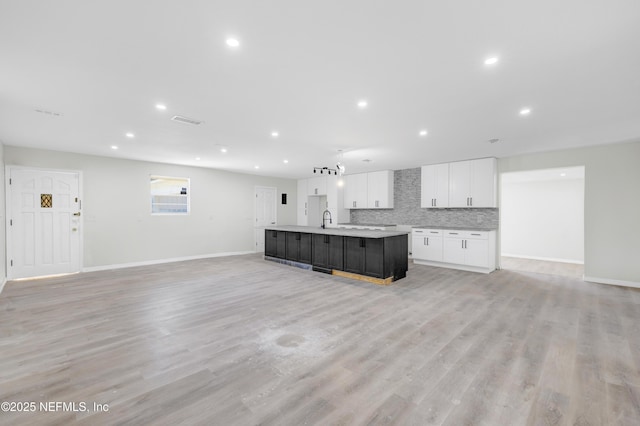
x=460 y=184
x=320 y=255
x=304 y=254
x=355 y=191
x=434 y=248
x=353 y=255
x=349 y=191
x=281 y=244
x=435 y=186
x=483 y=182
x=270 y=243
x=380 y=190
x=336 y=252
x=477 y=253
x=302 y=206
x=317 y=185
x=454 y=250
x=293 y=245
x=419 y=247
x=374 y=257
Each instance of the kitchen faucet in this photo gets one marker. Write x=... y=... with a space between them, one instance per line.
x=324 y=215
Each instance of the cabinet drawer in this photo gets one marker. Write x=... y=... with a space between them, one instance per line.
x=469 y=235
x=421 y=232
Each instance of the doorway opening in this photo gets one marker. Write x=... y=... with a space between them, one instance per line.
x=542 y=221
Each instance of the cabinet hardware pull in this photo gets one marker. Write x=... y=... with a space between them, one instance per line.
x=424 y=241
x=471 y=201
x=434 y=232
x=476 y=234
x=462 y=241
x=427 y=240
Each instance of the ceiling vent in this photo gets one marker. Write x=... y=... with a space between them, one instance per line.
x=186 y=120
x=51 y=113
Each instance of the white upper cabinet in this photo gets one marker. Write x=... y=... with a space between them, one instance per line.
x=355 y=191
x=435 y=186
x=380 y=190
x=317 y=185
x=470 y=184
x=473 y=183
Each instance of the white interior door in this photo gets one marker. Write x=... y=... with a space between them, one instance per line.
x=43 y=222
x=266 y=207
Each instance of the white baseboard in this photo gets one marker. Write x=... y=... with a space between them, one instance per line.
x=4 y=281
x=611 y=282
x=159 y=261
x=454 y=266
x=546 y=259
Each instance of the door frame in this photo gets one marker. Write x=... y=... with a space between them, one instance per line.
x=255 y=217
x=8 y=210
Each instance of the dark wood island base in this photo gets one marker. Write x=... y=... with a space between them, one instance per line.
x=379 y=257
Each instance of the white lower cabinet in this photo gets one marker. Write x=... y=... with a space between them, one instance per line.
x=427 y=244
x=459 y=249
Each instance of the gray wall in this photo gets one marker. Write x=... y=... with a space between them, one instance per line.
x=543 y=219
x=611 y=205
x=118 y=226
x=407 y=210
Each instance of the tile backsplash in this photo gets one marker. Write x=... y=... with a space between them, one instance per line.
x=407 y=210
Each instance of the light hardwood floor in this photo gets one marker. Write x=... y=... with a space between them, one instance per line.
x=572 y=270
x=242 y=341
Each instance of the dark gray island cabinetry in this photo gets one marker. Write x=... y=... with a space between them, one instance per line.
x=376 y=256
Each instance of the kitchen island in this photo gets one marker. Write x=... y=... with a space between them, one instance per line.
x=380 y=257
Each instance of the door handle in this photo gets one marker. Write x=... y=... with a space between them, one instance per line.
x=77 y=214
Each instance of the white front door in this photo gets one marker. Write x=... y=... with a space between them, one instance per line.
x=266 y=206
x=43 y=222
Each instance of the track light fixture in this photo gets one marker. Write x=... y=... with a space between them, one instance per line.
x=325 y=169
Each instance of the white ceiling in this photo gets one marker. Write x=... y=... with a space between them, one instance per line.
x=300 y=70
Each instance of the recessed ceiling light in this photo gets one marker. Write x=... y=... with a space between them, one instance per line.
x=423 y=133
x=197 y=158
x=223 y=150
x=274 y=134
x=491 y=61
x=130 y=135
x=525 y=111
x=563 y=174
x=256 y=167
x=285 y=161
x=114 y=147
x=362 y=104
x=233 y=42
x=161 y=107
